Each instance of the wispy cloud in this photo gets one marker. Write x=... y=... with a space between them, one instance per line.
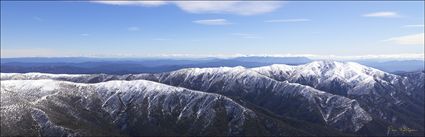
x=133 y=28
x=136 y=3
x=230 y=7
x=246 y=35
x=387 y=14
x=413 y=26
x=414 y=39
x=212 y=22
x=286 y=20
x=84 y=34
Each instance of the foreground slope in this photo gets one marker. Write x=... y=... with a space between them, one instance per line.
x=58 y=108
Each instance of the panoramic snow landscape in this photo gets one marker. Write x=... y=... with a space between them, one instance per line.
x=338 y=98
x=212 y=68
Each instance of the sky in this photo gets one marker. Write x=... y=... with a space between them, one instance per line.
x=212 y=29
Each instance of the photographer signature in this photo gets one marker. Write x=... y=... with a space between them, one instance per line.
x=400 y=130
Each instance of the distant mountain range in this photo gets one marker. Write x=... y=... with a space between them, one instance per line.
x=80 y=65
x=318 y=98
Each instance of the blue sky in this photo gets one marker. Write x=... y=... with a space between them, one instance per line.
x=140 y=29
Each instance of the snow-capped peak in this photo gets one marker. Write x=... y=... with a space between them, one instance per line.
x=356 y=76
x=346 y=71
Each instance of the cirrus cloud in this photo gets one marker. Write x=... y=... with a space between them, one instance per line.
x=414 y=39
x=84 y=34
x=136 y=3
x=387 y=14
x=212 y=22
x=229 y=7
x=414 y=26
x=232 y=7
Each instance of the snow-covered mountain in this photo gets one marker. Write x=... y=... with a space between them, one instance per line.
x=347 y=78
x=416 y=81
x=390 y=98
x=248 y=86
x=278 y=97
x=78 y=78
x=345 y=96
x=140 y=107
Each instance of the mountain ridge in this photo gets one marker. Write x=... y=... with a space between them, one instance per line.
x=258 y=87
x=117 y=102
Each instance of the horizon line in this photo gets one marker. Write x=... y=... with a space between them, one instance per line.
x=407 y=56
